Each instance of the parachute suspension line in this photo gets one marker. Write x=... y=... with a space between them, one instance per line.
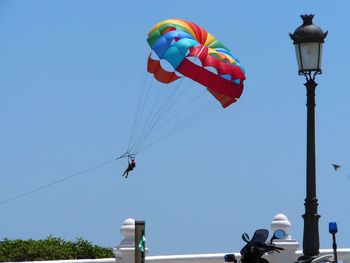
x=185 y=107
x=158 y=98
x=152 y=113
x=205 y=110
x=127 y=154
x=199 y=114
x=142 y=101
x=155 y=104
x=169 y=120
x=157 y=116
x=202 y=111
x=169 y=133
x=172 y=105
x=162 y=112
x=137 y=112
x=165 y=135
x=185 y=88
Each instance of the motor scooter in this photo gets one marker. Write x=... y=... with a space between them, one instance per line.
x=256 y=247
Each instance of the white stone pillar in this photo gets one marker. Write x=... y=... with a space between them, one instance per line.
x=125 y=251
x=287 y=255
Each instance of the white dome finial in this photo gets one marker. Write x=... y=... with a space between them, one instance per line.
x=280 y=221
x=127 y=230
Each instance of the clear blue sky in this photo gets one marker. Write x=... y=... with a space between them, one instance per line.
x=70 y=76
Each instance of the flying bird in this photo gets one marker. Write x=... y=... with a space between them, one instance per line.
x=336 y=166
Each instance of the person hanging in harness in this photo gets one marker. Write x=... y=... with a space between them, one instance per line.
x=131 y=166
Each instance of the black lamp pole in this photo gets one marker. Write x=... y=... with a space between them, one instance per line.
x=308 y=40
x=311 y=243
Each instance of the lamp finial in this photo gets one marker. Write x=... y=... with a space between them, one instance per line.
x=307 y=19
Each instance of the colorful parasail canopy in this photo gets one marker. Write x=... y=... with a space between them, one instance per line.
x=181 y=48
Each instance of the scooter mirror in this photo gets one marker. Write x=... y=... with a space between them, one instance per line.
x=333 y=227
x=230 y=258
x=279 y=234
x=245 y=237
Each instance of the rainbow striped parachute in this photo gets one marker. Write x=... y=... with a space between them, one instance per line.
x=181 y=48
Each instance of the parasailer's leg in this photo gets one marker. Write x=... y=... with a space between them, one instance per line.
x=126 y=173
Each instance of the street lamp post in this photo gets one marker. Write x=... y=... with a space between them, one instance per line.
x=308 y=40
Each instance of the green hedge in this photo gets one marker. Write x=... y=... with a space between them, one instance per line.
x=51 y=248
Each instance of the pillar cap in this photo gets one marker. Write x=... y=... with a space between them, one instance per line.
x=280 y=221
x=127 y=230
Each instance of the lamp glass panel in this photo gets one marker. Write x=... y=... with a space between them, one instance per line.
x=310 y=55
x=297 y=53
